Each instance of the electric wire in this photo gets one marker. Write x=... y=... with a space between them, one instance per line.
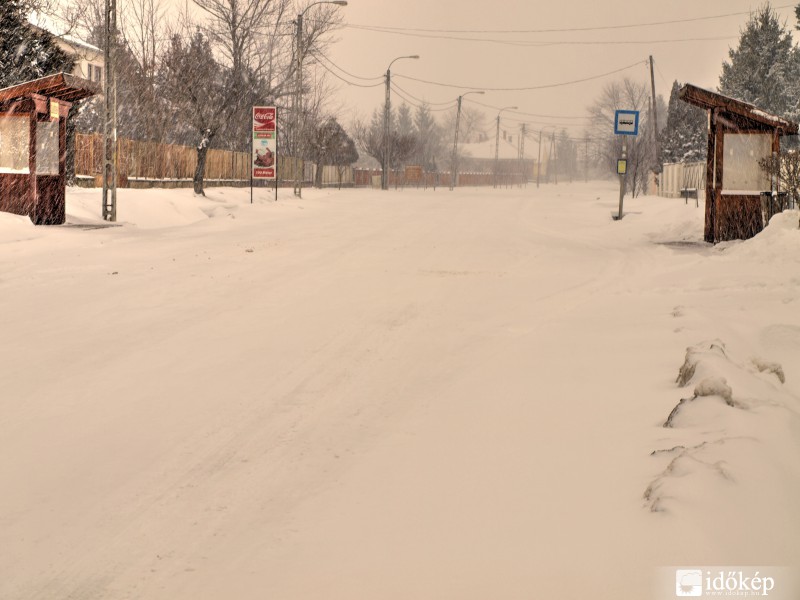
x=543 y=43
x=448 y=104
x=352 y=83
x=415 y=105
x=569 y=29
x=519 y=112
x=348 y=73
x=524 y=88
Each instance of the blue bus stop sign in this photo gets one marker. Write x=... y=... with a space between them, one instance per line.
x=626 y=122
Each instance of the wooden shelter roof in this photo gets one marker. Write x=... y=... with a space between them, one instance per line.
x=758 y=118
x=61 y=86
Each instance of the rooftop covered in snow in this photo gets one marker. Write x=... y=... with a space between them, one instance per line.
x=757 y=118
x=61 y=86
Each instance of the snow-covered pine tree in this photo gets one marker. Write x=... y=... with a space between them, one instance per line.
x=26 y=52
x=765 y=68
x=685 y=138
x=430 y=145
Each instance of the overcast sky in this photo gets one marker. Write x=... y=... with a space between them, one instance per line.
x=556 y=57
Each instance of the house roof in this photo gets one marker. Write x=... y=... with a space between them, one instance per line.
x=43 y=24
x=60 y=86
x=758 y=118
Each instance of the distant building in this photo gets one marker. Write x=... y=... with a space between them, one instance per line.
x=89 y=61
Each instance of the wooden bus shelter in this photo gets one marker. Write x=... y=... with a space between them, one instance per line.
x=33 y=131
x=739 y=137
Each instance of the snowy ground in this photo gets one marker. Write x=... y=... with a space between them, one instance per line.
x=399 y=395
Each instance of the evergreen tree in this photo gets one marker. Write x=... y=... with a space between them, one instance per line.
x=430 y=145
x=371 y=140
x=26 y=52
x=204 y=97
x=685 y=138
x=567 y=155
x=764 y=68
x=404 y=122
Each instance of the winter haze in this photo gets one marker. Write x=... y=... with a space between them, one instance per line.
x=484 y=392
x=512 y=58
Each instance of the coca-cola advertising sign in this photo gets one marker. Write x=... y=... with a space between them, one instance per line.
x=265 y=142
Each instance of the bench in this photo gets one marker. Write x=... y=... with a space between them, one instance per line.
x=688 y=192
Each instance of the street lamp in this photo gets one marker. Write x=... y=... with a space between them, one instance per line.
x=497 y=141
x=386 y=119
x=299 y=121
x=454 y=174
x=539 y=162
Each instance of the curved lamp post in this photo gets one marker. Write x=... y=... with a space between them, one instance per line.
x=454 y=174
x=299 y=120
x=386 y=114
x=497 y=142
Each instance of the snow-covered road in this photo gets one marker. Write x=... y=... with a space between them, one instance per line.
x=395 y=395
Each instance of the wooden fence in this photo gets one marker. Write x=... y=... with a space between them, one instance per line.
x=156 y=164
x=677 y=177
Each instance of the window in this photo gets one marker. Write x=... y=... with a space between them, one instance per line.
x=98 y=74
x=740 y=169
x=14 y=140
x=47 y=148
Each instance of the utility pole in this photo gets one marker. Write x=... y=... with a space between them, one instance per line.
x=298 y=129
x=586 y=160
x=496 y=149
x=653 y=108
x=497 y=142
x=522 y=176
x=110 y=121
x=454 y=174
x=387 y=116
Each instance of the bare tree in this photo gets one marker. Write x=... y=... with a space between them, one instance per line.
x=623 y=95
x=254 y=43
x=142 y=28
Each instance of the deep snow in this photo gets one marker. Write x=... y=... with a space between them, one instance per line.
x=407 y=394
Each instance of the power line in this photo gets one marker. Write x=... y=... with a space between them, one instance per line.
x=402 y=93
x=519 y=112
x=449 y=104
x=564 y=29
x=541 y=43
x=348 y=72
x=525 y=88
x=339 y=77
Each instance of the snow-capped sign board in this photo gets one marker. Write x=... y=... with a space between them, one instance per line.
x=265 y=137
x=626 y=122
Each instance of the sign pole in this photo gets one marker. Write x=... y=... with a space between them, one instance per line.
x=626 y=122
x=264 y=147
x=622 y=178
x=251 y=167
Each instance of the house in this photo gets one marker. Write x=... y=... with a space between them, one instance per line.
x=89 y=59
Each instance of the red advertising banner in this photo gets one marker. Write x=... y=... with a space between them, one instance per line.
x=265 y=142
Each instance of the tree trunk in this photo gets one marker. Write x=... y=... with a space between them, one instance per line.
x=202 y=154
x=318 y=175
x=70 y=142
